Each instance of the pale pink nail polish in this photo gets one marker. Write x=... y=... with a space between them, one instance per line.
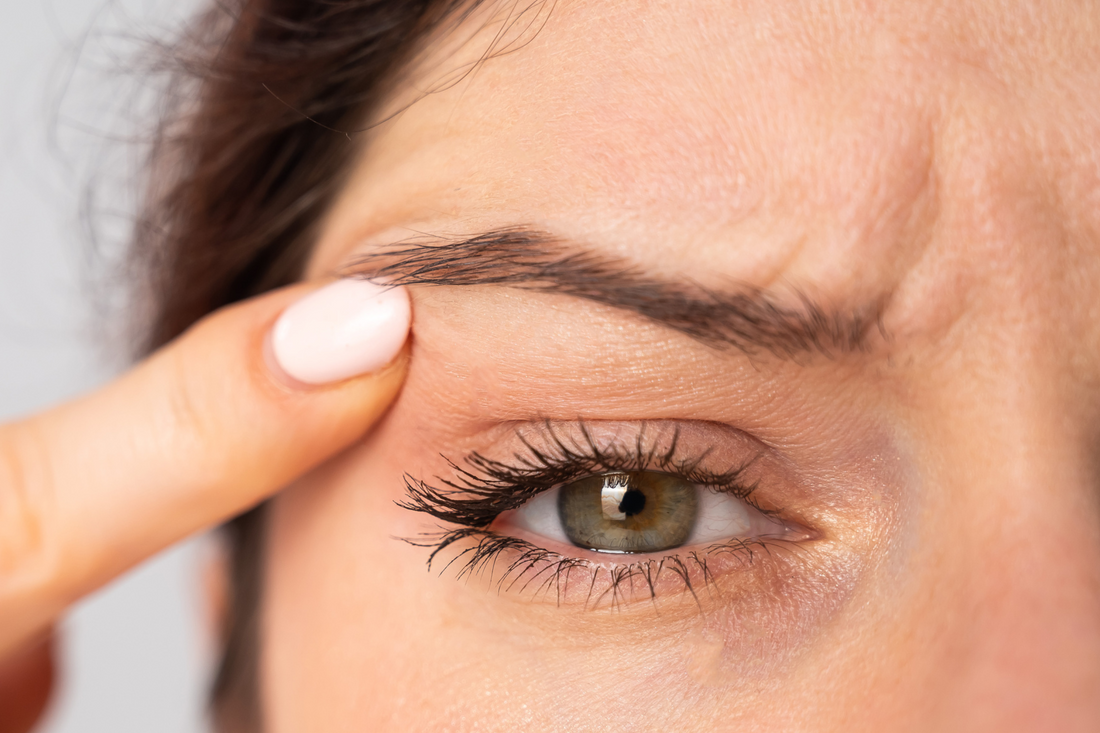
x=345 y=329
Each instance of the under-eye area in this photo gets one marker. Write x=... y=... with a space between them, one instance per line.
x=605 y=514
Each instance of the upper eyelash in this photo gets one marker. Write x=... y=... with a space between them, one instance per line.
x=487 y=488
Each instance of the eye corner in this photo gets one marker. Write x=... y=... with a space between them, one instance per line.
x=626 y=520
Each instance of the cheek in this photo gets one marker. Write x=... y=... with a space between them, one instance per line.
x=335 y=644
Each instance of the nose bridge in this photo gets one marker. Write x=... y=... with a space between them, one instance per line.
x=1032 y=657
x=1026 y=620
x=1014 y=482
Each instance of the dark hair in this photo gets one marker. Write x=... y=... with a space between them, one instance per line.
x=249 y=153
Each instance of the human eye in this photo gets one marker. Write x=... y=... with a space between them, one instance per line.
x=640 y=512
x=603 y=512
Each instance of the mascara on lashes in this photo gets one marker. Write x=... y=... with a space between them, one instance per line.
x=484 y=489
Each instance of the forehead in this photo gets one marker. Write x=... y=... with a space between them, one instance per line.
x=847 y=150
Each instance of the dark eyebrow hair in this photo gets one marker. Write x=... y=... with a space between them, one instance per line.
x=745 y=318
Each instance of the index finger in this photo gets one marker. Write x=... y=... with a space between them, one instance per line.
x=204 y=429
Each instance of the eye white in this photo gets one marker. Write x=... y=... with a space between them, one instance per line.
x=721 y=516
x=540 y=516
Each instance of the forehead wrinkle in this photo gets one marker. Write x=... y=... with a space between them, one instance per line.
x=480 y=154
x=837 y=192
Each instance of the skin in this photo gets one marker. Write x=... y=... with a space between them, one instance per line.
x=939 y=159
x=202 y=430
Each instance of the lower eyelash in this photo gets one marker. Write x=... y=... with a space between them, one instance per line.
x=483 y=489
x=541 y=571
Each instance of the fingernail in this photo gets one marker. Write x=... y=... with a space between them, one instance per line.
x=345 y=329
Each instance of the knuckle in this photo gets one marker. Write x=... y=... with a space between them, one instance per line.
x=193 y=424
x=184 y=402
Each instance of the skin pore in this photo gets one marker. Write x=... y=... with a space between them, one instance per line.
x=929 y=168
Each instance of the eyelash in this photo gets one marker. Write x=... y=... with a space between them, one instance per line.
x=485 y=489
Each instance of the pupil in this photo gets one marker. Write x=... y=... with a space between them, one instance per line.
x=633 y=503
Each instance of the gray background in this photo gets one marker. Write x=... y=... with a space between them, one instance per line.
x=135 y=655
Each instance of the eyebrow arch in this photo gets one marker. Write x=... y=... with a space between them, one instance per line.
x=746 y=319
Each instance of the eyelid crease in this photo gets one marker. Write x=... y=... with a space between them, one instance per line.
x=483 y=489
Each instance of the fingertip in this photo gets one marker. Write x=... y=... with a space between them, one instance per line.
x=345 y=329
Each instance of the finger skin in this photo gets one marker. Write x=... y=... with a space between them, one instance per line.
x=199 y=432
x=26 y=681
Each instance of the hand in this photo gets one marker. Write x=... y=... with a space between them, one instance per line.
x=207 y=427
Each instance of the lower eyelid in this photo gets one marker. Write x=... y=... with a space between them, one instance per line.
x=527 y=555
x=590 y=580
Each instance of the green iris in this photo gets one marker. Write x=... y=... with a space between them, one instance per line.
x=639 y=511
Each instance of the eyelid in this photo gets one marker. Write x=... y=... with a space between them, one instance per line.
x=553 y=453
x=541 y=456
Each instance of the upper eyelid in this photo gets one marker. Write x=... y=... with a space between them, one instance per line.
x=475 y=498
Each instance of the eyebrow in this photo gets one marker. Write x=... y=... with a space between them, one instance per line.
x=744 y=318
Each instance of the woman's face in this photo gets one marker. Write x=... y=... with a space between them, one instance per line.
x=814 y=286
